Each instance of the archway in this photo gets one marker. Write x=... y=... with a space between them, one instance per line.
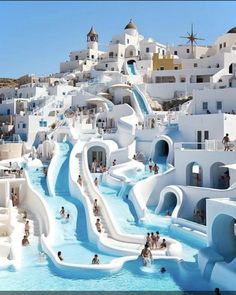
x=97 y=153
x=131 y=61
x=219 y=176
x=225 y=244
x=169 y=203
x=194 y=174
x=199 y=213
x=161 y=151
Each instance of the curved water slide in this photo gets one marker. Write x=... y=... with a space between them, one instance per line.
x=146 y=192
x=142 y=101
x=124 y=240
x=126 y=125
x=53 y=229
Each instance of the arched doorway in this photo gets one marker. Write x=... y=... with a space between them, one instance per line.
x=219 y=176
x=97 y=153
x=169 y=203
x=225 y=243
x=199 y=212
x=194 y=174
x=161 y=151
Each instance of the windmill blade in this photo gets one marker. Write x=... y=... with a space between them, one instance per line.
x=184 y=37
x=199 y=39
x=188 y=41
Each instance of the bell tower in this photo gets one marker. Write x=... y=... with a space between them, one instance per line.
x=92 y=39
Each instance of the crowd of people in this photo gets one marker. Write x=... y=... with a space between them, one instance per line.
x=95 y=167
x=152 y=244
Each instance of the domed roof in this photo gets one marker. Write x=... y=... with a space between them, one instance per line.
x=131 y=25
x=92 y=32
x=233 y=30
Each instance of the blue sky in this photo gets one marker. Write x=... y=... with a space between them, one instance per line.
x=36 y=36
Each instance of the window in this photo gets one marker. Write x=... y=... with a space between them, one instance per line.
x=147 y=49
x=206 y=134
x=162 y=68
x=127 y=41
x=205 y=105
x=187 y=50
x=219 y=105
x=112 y=69
x=76 y=57
x=111 y=54
x=18 y=125
x=176 y=68
x=106 y=65
x=220 y=46
x=224 y=44
x=195 y=65
x=23 y=125
x=175 y=52
x=163 y=51
x=92 y=56
x=131 y=53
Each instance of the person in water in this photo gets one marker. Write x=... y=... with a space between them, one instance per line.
x=96 y=181
x=62 y=212
x=95 y=259
x=25 y=241
x=146 y=254
x=98 y=225
x=162 y=270
x=27 y=228
x=95 y=207
x=59 y=255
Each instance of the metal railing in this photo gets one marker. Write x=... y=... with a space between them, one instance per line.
x=208 y=145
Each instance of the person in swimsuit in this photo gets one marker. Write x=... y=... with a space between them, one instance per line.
x=146 y=254
x=95 y=259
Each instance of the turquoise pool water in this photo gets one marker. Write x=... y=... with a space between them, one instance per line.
x=72 y=241
x=131 y=69
x=71 y=237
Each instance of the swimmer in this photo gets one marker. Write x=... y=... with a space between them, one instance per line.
x=25 y=241
x=59 y=255
x=162 y=270
x=95 y=207
x=146 y=254
x=98 y=225
x=62 y=212
x=27 y=228
x=95 y=259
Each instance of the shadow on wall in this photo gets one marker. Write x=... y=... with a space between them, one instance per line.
x=223 y=236
x=169 y=204
x=219 y=176
x=161 y=151
x=194 y=174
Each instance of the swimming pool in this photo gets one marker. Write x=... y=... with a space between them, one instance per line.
x=71 y=237
x=133 y=276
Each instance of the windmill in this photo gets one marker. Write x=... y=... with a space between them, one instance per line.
x=192 y=38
